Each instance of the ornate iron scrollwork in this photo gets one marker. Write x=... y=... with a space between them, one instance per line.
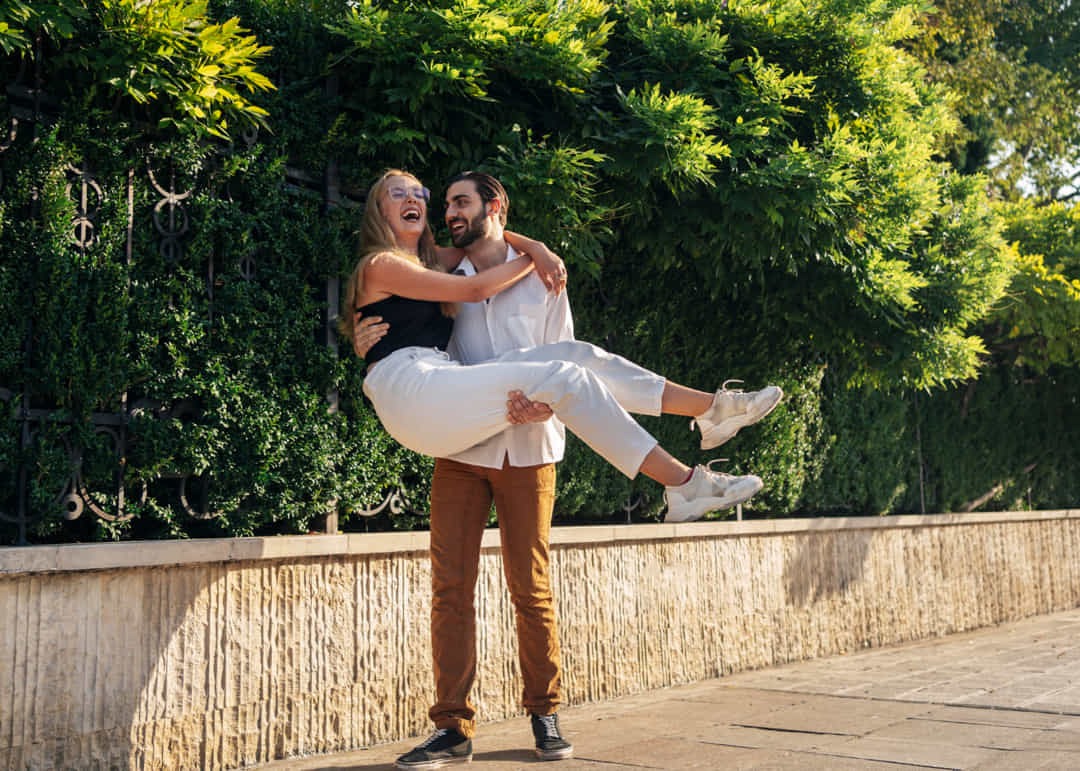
x=173 y=225
x=246 y=267
x=85 y=212
x=109 y=496
x=633 y=503
x=13 y=132
x=75 y=497
x=393 y=500
x=5 y=398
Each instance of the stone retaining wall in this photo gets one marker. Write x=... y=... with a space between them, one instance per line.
x=226 y=653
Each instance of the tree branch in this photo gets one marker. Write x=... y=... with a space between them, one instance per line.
x=977 y=502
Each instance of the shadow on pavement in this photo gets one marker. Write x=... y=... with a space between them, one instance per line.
x=496 y=756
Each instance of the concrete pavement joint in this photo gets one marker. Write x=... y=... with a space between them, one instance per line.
x=789 y=730
x=900 y=763
x=619 y=763
x=972 y=722
x=898 y=700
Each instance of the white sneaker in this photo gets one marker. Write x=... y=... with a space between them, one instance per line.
x=707 y=491
x=732 y=410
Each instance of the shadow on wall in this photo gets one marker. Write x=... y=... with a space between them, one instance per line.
x=826 y=564
x=80 y=670
x=214 y=665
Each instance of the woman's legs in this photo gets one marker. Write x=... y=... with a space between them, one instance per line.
x=661 y=466
x=718 y=415
x=680 y=400
x=635 y=388
x=437 y=407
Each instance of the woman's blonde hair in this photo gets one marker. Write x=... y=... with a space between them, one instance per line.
x=377 y=237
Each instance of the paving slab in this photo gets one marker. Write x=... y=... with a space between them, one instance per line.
x=916 y=753
x=1005 y=698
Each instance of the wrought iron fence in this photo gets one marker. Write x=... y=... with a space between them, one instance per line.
x=111 y=499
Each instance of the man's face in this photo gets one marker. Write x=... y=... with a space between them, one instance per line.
x=466 y=214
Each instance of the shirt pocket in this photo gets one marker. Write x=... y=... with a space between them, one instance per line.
x=525 y=326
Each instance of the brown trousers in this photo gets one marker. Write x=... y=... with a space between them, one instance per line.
x=461 y=496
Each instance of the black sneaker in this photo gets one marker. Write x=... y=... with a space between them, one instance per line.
x=442 y=748
x=550 y=744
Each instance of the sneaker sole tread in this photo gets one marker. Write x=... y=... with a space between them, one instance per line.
x=555 y=754
x=430 y=764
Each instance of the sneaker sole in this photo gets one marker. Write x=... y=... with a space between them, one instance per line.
x=699 y=508
x=429 y=764
x=726 y=430
x=555 y=754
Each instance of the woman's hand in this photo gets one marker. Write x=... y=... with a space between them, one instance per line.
x=549 y=267
x=366 y=332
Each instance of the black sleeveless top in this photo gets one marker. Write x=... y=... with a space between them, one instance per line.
x=412 y=322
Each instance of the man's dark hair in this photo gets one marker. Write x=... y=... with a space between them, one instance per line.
x=488 y=188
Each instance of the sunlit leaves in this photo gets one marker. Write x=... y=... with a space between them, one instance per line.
x=680 y=126
x=22 y=20
x=168 y=57
x=1015 y=70
x=1037 y=324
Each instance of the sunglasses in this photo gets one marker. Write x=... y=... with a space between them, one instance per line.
x=401 y=193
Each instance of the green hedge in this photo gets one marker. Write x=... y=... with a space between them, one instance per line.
x=741 y=190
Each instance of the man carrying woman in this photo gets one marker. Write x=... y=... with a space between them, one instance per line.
x=512 y=464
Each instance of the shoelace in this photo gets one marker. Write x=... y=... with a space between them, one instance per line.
x=708 y=467
x=725 y=389
x=551 y=726
x=434 y=738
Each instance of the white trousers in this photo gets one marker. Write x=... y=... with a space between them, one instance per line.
x=436 y=406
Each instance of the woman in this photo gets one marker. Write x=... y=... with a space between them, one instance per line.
x=435 y=406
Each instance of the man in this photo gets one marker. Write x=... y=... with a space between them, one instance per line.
x=516 y=469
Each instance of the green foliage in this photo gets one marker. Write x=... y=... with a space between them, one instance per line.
x=972 y=446
x=558 y=195
x=168 y=60
x=1038 y=324
x=20 y=21
x=869 y=457
x=233 y=385
x=744 y=189
x=170 y=51
x=1015 y=69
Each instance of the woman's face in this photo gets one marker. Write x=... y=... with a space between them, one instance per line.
x=403 y=203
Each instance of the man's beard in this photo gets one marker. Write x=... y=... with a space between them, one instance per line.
x=472 y=231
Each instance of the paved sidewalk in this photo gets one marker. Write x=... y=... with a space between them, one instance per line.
x=1007 y=697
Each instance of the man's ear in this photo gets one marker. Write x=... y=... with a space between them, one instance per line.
x=493 y=206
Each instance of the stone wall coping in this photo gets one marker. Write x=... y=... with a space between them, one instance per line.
x=133 y=554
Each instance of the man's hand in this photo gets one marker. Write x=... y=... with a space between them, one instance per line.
x=366 y=332
x=520 y=410
x=549 y=267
